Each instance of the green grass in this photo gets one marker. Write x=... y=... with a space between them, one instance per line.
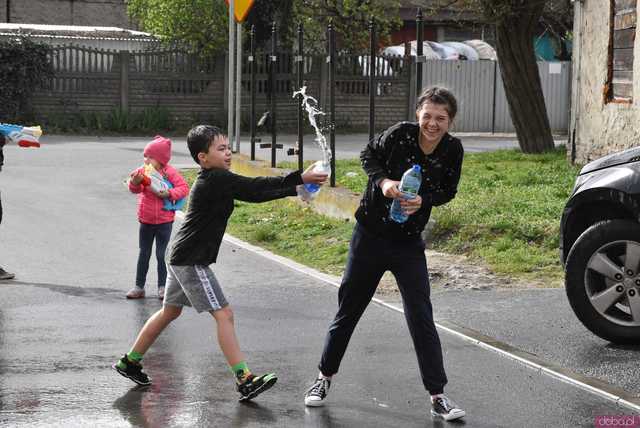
x=507 y=211
x=294 y=231
x=506 y=214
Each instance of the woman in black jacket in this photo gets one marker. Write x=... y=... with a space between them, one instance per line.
x=379 y=244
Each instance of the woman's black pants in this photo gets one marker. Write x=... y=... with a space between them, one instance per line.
x=369 y=257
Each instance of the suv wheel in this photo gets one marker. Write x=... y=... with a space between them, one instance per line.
x=603 y=280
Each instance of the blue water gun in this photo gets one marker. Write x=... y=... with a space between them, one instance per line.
x=170 y=205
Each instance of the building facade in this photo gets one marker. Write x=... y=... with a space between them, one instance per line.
x=606 y=88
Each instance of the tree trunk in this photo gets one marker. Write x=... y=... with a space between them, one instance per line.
x=521 y=79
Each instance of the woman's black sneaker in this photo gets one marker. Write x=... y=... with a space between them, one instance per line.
x=255 y=385
x=132 y=371
x=446 y=409
x=317 y=393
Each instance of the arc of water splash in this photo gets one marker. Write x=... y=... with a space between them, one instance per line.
x=310 y=106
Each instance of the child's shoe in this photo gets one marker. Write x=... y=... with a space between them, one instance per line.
x=135 y=293
x=317 y=393
x=255 y=385
x=161 y=293
x=132 y=371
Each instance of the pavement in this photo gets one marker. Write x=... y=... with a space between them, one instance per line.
x=70 y=234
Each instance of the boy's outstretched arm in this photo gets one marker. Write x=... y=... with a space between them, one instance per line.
x=262 y=189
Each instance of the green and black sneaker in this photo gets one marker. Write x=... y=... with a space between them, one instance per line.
x=132 y=371
x=255 y=385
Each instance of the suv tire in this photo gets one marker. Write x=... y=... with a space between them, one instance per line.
x=599 y=288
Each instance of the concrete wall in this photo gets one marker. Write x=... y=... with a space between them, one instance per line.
x=599 y=128
x=106 y=13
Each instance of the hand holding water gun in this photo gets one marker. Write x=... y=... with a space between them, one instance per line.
x=149 y=176
x=24 y=136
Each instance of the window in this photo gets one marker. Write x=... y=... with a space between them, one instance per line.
x=619 y=86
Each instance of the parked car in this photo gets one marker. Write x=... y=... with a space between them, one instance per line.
x=600 y=247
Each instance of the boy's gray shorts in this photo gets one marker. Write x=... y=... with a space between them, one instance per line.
x=194 y=286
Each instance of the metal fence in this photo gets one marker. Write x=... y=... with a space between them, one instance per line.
x=193 y=88
x=482 y=101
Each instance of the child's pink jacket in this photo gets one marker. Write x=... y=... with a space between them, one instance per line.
x=150 y=206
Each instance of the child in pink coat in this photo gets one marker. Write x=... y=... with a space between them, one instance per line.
x=155 y=220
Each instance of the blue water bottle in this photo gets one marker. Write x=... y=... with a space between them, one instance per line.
x=409 y=186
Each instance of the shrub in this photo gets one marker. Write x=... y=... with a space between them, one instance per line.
x=24 y=67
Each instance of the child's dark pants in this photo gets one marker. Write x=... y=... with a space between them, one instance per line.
x=148 y=232
x=369 y=257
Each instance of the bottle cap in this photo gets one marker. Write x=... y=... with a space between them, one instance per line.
x=416 y=168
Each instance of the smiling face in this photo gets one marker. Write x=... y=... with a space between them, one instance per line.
x=434 y=122
x=218 y=156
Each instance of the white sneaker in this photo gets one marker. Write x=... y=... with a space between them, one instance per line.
x=136 y=293
x=446 y=409
x=316 y=395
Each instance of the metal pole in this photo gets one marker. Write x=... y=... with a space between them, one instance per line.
x=272 y=71
x=238 y=83
x=419 y=57
x=252 y=118
x=372 y=78
x=332 y=101
x=232 y=43
x=300 y=60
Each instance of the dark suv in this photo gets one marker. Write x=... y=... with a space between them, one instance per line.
x=600 y=246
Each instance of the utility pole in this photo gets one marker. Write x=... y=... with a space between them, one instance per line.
x=231 y=56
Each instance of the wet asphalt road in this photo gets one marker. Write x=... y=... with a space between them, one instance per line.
x=70 y=234
x=540 y=322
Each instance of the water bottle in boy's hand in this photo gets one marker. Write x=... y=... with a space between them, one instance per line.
x=309 y=191
x=319 y=166
x=409 y=187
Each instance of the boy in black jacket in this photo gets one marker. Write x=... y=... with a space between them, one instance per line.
x=190 y=281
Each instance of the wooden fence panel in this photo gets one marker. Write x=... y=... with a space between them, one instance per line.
x=193 y=88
